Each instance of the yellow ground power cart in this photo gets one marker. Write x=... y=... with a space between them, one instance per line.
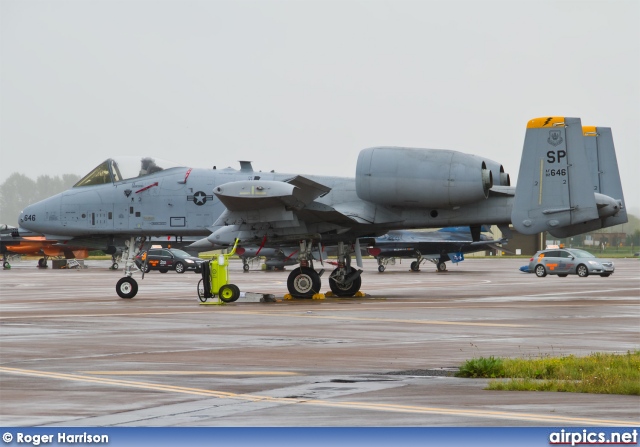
x=215 y=279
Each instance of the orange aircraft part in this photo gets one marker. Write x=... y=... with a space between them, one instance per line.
x=39 y=247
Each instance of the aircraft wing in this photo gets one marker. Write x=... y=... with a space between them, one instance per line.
x=285 y=210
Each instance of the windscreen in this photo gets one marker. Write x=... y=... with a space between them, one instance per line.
x=118 y=169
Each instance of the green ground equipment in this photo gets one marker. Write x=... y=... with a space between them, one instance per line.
x=215 y=279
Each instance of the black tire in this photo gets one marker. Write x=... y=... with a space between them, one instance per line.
x=127 y=287
x=562 y=275
x=582 y=271
x=345 y=290
x=381 y=268
x=604 y=275
x=541 y=272
x=303 y=282
x=441 y=266
x=42 y=263
x=114 y=266
x=163 y=270
x=245 y=267
x=415 y=266
x=179 y=267
x=201 y=296
x=236 y=291
x=228 y=293
x=6 y=265
x=146 y=268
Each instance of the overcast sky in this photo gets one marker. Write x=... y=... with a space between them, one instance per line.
x=302 y=86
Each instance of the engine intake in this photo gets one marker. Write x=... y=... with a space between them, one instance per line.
x=431 y=178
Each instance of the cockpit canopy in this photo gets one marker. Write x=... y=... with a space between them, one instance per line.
x=118 y=169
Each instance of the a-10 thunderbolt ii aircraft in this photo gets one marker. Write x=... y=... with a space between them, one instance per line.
x=568 y=184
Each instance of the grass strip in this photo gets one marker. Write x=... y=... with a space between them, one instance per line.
x=598 y=373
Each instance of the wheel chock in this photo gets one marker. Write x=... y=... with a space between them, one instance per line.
x=318 y=296
x=215 y=302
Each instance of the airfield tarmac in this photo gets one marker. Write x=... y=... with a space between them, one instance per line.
x=73 y=353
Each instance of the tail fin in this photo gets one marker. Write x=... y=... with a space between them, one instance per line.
x=605 y=176
x=555 y=190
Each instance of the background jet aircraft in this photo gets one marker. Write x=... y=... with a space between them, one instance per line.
x=12 y=242
x=394 y=188
x=447 y=244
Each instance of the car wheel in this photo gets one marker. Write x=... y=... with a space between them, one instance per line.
x=582 y=271
x=179 y=267
x=541 y=271
x=147 y=268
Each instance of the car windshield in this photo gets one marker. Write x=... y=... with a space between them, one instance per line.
x=582 y=254
x=124 y=168
x=181 y=253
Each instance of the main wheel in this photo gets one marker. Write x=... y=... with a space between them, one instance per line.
x=114 y=266
x=303 y=282
x=42 y=263
x=6 y=265
x=127 y=287
x=179 y=267
x=347 y=289
x=415 y=266
x=582 y=271
x=381 y=268
x=245 y=267
x=441 y=266
x=540 y=271
x=229 y=293
x=201 y=296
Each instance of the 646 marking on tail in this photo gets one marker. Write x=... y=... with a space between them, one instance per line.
x=556 y=172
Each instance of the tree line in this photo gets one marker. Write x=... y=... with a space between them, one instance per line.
x=18 y=191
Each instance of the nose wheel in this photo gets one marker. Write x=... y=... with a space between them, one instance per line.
x=127 y=287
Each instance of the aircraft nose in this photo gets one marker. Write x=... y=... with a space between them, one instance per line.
x=36 y=216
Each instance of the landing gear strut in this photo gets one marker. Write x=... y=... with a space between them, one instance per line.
x=127 y=287
x=345 y=281
x=304 y=281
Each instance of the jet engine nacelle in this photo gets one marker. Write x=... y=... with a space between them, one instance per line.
x=432 y=178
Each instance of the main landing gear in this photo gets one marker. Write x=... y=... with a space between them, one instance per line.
x=304 y=281
x=127 y=287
